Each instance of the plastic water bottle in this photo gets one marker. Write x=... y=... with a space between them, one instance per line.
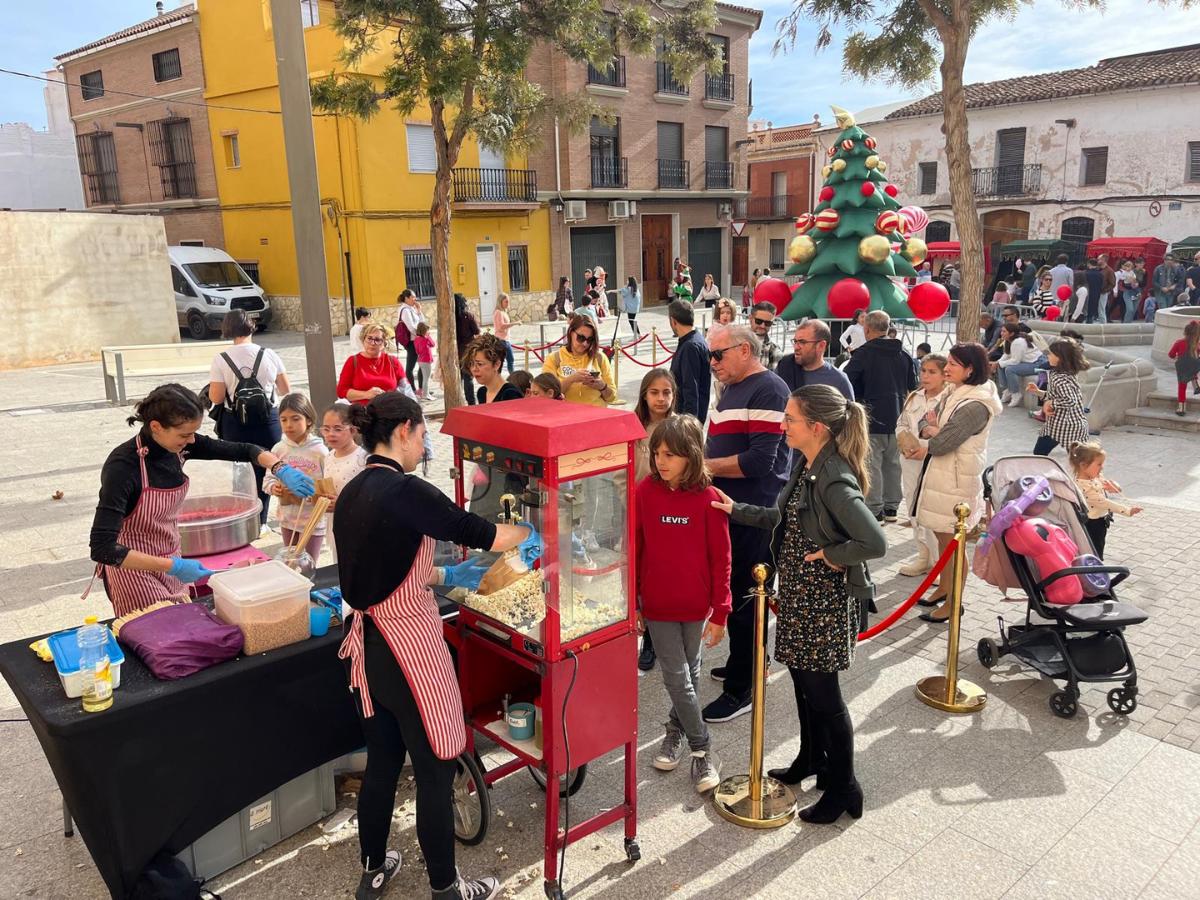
x=93 y=666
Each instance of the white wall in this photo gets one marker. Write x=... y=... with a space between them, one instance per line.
x=1146 y=132
x=40 y=169
x=71 y=283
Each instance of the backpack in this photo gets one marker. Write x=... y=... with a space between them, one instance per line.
x=403 y=335
x=250 y=402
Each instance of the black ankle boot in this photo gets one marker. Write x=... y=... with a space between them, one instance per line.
x=833 y=803
x=801 y=768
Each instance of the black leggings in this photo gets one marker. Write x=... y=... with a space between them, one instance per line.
x=1043 y=445
x=410 y=365
x=633 y=325
x=397 y=728
x=1097 y=530
x=826 y=731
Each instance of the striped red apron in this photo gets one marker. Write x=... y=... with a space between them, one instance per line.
x=411 y=625
x=153 y=528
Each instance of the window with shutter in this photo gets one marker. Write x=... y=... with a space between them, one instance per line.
x=166 y=65
x=1193 y=161
x=777 y=249
x=1095 y=165
x=98 y=166
x=92 y=85
x=937 y=231
x=418 y=273
x=422 y=157
x=518 y=268
x=928 y=171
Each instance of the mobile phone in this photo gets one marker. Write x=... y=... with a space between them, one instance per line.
x=594 y=373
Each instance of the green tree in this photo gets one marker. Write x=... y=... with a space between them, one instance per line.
x=901 y=43
x=466 y=59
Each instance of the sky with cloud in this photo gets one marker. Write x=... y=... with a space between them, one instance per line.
x=1044 y=36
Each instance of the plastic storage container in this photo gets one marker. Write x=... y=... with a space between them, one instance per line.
x=64 y=647
x=268 y=602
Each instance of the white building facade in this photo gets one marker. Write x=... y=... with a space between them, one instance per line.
x=1112 y=150
x=40 y=169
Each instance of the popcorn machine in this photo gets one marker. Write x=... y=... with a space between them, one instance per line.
x=560 y=642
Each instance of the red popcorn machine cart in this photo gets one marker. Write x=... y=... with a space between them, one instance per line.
x=547 y=664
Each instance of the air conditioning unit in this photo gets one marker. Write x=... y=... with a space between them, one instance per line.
x=621 y=209
x=576 y=211
x=725 y=210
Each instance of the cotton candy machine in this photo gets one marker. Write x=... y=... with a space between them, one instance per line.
x=221 y=512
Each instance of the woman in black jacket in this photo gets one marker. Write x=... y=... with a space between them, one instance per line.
x=820 y=552
x=465 y=331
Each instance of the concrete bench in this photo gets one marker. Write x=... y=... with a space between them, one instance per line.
x=119 y=363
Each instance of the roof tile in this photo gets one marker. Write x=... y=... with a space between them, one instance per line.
x=174 y=15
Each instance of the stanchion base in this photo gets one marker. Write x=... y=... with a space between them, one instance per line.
x=968 y=698
x=777 y=807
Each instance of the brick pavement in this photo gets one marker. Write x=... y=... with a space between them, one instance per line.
x=1026 y=804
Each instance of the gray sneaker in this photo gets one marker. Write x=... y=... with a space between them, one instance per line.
x=670 y=751
x=469 y=889
x=375 y=881
x=705 y=774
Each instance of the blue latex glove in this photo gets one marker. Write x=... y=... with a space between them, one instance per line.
x=466 y=574
x=295 y=481
x=187 y=570
x=531 y=547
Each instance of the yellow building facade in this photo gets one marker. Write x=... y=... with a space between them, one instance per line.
x=375 y=180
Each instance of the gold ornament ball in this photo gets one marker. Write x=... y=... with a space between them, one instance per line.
x=839 y=165
x=802 y=249
x=916 y=251
x=871 y=161
x=874 y=248
x=882 y=166
x=825 y=170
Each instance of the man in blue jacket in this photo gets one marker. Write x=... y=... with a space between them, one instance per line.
x=689 y=365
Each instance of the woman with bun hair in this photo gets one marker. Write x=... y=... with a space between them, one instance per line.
x=135 y=531
x=385 y=525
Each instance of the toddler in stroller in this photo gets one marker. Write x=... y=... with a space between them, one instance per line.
x=1074 y=624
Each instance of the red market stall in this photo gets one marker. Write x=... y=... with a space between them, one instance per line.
x=559 y=644
x=944 y=252
x=1118 y=248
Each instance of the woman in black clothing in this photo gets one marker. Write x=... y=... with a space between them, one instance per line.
x=820 y=553
x=465 y=331
x=564 y=299
x=386 y=522
x=484 y=358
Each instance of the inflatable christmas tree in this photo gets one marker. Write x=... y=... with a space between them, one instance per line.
x=856 y=241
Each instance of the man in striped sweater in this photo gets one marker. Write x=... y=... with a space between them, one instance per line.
x=748 y=459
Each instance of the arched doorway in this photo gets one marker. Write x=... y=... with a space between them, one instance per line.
x=1002 y=226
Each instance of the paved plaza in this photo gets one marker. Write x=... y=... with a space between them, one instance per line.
x=1012 y=802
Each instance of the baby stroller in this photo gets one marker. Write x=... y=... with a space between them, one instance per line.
x=1063 y=639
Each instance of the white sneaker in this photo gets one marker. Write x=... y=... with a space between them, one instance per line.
x=918 y=565
x=1015 y=400
x=705 y=774
x=1005 y=395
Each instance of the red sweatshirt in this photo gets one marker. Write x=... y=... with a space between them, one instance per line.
x=683 y=554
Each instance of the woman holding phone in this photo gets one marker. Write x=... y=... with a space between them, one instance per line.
x=580 y=367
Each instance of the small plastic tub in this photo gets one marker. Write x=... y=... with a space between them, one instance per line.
x=64 y=647
x=521 y=721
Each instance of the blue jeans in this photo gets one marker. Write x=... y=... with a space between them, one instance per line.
x=1012 y=375
x=508 y=355
x=1131 y=304
x=1152 y=304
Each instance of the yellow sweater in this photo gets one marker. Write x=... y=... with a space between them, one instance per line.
x=562 y=363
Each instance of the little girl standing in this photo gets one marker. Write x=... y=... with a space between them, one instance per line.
x=1066 y=422
x=656 y=401
x=304 y=451
x=1087 y=461
x=1186 y=353
x=918 y=404
x=346 y=458
x=424 y=344
x=683 y=560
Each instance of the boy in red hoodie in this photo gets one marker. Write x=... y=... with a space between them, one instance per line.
x=683 y=559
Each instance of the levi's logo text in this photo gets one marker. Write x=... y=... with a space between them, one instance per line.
x=675 y=520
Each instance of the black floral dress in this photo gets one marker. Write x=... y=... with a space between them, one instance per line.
x=817 y=625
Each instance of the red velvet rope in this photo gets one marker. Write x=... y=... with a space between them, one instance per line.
x=649 y=365
x=542 y=347
x=908 y=604
x=661 y=344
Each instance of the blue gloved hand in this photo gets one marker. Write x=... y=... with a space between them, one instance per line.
x=295 y=481
x=531 y=547
x=466 y=574
x=187 y=570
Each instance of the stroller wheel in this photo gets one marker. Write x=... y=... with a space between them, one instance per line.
x=989 y=652
x=1063 y=705
x=1122 y=701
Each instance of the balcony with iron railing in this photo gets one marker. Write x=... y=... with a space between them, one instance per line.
x=719 y=87
x=718 y=176
x=494 y=186
x=666 y=83
x=612 y=76
x=1007 y=181
x=765 y=209
x=673 y=174
x=609 y=171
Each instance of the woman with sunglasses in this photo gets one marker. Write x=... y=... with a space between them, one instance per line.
x=1043 y=298
x=580 y=367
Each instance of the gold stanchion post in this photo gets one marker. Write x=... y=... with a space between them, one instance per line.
x=654 y=345
x=527 y=356
x=947 y=692
x=756 y=800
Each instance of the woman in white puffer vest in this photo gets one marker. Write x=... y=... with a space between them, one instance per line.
x=957 y=431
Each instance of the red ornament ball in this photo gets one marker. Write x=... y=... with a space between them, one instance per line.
x=891 y=190
x=827 y=219
x=845 y=296
x=832 y=151
x=804 y=223
x=928 y=301
x=774 y=291
x=826 y=194
x=867 y=189
x=888 y=222
x=1064 y=292
x=1053 y=313
x=870 y=142
x=847 y=144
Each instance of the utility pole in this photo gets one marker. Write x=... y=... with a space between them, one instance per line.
x=301 y=155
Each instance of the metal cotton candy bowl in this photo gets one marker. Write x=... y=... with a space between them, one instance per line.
x=222 y=509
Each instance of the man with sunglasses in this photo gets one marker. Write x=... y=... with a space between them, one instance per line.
x=762 y=317
x=748 y=459
x=808 y=365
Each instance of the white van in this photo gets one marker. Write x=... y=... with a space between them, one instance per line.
x=208 y=283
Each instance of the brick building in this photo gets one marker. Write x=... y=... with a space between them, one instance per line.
x=781 y=163
x=139 y=155
x=662 y=180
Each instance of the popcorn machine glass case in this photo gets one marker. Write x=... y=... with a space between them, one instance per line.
x=567 y=470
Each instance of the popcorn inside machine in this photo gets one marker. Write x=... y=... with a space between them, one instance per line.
x=547 y=659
